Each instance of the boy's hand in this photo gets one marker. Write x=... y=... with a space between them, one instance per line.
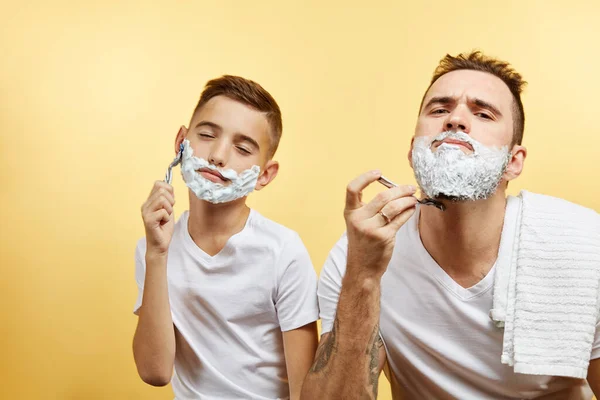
x=157 y=213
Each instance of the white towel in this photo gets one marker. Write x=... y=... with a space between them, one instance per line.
x=546 y=288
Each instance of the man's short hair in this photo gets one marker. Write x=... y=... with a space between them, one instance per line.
x=252 y=95
x=477 y=61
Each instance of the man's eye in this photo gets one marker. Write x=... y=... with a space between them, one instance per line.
x=439 y=111
x=205 y=135
x=243 y=150
x=484 y=115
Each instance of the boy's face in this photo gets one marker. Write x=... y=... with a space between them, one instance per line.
x=230 y=135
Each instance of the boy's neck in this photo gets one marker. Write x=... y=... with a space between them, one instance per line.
x=211 y=225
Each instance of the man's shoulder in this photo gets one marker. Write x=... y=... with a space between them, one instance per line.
x=545 y=199
x=558 y=208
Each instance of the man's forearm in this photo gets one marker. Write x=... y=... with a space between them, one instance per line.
x=154 y=340
x=346 y=364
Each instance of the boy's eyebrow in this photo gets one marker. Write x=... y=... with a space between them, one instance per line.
x=208 y=123
x=240 y=136
x=248 y=139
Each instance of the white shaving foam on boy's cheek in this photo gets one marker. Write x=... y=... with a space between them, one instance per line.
x=451 y=172
x=240 y=185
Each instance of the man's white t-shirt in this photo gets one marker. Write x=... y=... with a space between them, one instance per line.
x=230 y=309
x=439 y=338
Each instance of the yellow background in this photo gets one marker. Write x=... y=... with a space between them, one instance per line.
x=92 y=95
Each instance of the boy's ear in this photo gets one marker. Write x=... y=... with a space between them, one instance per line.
x=267 y=175
x=412 y=142
x=181 y=135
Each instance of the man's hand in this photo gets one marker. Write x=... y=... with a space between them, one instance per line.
x=157 y=213
x=372 y=227
x=342 y=368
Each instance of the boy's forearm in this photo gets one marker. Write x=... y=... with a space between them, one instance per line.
x=154 y=340
x=343 y=366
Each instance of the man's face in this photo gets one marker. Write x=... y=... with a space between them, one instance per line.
x=462 y=144
x=474 y=102
x=229 y=135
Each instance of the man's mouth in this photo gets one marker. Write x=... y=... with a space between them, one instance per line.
x=212 y=175
x=462 y=143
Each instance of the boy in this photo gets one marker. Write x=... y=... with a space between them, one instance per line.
x=227 y=298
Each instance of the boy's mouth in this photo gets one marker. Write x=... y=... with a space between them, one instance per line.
x=212 y=175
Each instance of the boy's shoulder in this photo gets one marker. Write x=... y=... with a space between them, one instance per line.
x=267 y=226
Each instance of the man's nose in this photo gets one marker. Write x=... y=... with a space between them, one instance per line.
x=458 y=121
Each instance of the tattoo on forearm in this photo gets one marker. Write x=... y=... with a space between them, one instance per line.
x=375 y=343
x=326 y=349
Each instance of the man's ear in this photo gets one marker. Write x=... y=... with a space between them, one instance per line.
x=181 y=135
x=267 y=174
x=514 y=168
x=412 y=141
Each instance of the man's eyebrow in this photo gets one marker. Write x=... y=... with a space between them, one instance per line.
x=208 y=123
x=446 y=100
x=484 y=104
x=440 y=100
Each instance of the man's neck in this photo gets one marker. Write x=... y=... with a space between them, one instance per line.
x=464 y=240
x=211 y=225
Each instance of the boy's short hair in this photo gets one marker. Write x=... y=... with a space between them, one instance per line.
x=251 y=94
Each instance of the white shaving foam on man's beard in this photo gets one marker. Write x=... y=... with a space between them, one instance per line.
x=452 y=173
x=240 y=185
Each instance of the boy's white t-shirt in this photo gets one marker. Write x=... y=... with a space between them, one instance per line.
x=439 y=338
x=230 y=309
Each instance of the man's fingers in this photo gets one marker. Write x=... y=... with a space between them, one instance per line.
x=391 y=210
x=387 y=196
x=398 y=206
x=400 y=219
x=356 y=186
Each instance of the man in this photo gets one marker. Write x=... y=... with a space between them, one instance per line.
x=409 y=287
x=226 y=297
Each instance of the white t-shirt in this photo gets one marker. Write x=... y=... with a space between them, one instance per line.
x=230 y=309
x=439 y=338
